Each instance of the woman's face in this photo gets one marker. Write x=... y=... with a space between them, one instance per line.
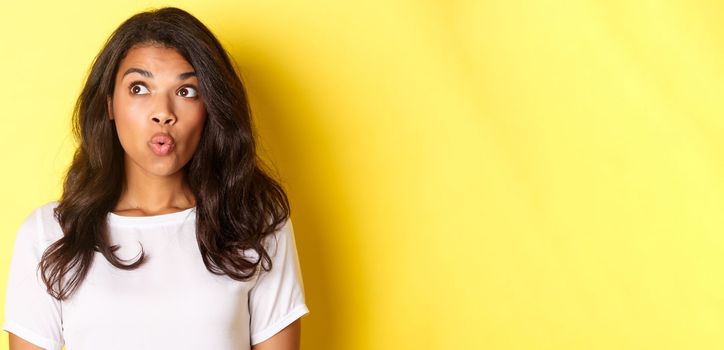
x=158 y=110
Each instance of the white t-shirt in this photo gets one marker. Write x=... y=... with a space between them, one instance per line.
x=170 y=302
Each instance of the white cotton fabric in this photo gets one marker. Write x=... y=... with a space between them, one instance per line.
x=171 y=302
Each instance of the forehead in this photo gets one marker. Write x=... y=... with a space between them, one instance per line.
x=154 y=58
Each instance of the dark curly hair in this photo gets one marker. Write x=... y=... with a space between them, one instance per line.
x=237 y=202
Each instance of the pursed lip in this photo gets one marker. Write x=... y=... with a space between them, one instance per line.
x=162 y=138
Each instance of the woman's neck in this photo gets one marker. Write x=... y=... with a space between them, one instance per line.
x=144 y=194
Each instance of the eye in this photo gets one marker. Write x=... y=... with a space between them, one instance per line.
x=187 y=91
x=139 y=89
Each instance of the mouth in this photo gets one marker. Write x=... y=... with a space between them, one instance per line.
x=162 y=144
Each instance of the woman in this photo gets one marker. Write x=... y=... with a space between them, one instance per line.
x=168 y=235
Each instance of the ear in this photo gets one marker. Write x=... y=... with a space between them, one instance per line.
x=110 y=108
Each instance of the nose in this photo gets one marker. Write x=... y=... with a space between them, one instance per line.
x=164 y=119
x=163 y=113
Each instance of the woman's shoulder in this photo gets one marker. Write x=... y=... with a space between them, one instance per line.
x=282 y=236
x=40 y=225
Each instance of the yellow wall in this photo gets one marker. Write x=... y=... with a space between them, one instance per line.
x=463 y=174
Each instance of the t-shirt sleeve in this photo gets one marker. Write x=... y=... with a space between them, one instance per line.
x=30 y=312
x=277 y=298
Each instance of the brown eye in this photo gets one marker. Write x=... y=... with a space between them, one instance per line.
x=187 y=91
x=138 y=89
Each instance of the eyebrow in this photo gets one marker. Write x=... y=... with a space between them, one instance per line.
x=148 y=74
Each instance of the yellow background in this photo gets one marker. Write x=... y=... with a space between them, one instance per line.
x=463 y=174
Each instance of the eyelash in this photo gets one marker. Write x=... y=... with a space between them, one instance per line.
x=130 y=88
x=191 y=87
x=133 y=84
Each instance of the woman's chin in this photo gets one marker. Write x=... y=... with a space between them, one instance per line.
x=165 y=171
x=161 y=167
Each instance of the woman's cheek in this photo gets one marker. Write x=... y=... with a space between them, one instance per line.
x=129 y=125
x=125 y=134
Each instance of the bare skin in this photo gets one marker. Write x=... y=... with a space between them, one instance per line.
x=17 y=343
x=286 y=339
x=156 y=91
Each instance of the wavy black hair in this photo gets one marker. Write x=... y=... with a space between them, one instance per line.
x=237 y=202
